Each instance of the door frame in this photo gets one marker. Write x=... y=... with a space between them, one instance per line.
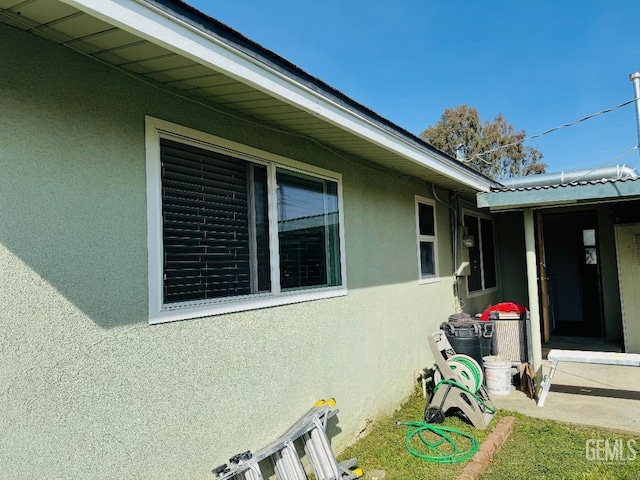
x=542 y=278
x=546 y=326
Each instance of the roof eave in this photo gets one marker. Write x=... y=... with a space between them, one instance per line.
x=147 y=21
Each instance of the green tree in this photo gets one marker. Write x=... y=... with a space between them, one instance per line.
x=493 y=148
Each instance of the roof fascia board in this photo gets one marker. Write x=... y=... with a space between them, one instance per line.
x=149 y=22
x=518 y=199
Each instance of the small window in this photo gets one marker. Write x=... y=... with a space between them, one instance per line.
x=590 y=249
x=231 y=231
x=482 y=257
x=589 y=237
x=427 y=244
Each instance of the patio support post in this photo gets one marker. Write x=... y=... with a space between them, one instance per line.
x=532 y=285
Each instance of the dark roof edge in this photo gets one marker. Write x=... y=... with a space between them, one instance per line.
x=211 y=26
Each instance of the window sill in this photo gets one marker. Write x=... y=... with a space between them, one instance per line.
x=479 y=293
x=220 y=307
x=426 y=280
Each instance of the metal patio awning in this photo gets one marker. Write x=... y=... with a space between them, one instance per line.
x=567 y=194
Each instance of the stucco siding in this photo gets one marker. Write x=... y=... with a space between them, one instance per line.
x=87 y=388
x=478 y=303
x=512 y=272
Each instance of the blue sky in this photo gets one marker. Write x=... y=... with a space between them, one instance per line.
x=539 y=63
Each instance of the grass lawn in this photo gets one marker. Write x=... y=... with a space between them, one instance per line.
x=537 y=449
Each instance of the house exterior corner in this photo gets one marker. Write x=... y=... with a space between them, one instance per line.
x=88 y=387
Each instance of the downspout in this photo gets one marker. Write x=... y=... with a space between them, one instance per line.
x=532 y=285
x=635 y=78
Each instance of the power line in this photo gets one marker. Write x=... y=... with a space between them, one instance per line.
x=546 y=132
x=285 y=131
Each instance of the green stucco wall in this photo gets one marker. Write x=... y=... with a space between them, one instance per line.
x=512 y=271
x=87 y=388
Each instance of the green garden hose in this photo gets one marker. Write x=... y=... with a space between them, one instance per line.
x=471 y=367
x=444 y=449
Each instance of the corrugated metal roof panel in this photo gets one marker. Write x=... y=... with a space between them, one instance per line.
x=548 y=196
x=564 y=185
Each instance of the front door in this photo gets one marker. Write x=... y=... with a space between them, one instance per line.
x=590 y=277
x=573 y=273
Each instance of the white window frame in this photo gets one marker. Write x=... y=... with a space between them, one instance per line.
x=161 y=313
x=483 y=290
x=431 y=278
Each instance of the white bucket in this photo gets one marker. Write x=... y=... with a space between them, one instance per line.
x=497 y=374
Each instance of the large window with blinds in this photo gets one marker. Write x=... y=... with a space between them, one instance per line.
x=238 y=230
x=214 y=224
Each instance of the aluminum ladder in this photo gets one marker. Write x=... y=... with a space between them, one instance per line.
x=310 y=429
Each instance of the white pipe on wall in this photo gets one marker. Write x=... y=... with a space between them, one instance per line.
x=635 y=78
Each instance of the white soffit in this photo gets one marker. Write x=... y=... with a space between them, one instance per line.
x=137 y=37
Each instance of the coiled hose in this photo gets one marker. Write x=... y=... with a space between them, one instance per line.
x=445 y=449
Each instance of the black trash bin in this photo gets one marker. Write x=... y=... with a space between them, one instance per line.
x=470 y=336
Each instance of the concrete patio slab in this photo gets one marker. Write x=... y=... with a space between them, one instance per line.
x=599 y=395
